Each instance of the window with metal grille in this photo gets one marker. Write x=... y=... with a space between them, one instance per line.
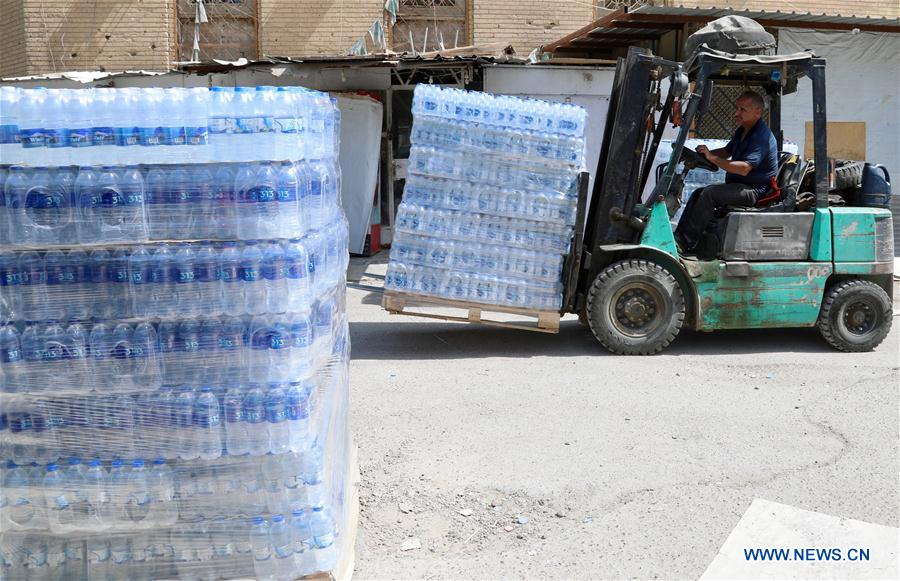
x=430 y=25
x=230 y=32
x=718 y=122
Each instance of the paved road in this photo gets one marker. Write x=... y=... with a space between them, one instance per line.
x=515 y=454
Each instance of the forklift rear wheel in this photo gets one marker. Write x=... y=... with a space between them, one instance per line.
x=856 y=316
x=635 y=307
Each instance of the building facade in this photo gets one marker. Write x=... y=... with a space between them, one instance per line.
x=47 y=36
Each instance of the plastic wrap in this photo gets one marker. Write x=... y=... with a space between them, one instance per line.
x=175 y=409
x=488 y=210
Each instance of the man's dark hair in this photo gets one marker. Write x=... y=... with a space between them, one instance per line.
x=754 y=98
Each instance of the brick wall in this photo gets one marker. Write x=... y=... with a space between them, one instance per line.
x=310 y=27
x=13 y=60
x=526 y=24
x=62 y=35
x=886 y=8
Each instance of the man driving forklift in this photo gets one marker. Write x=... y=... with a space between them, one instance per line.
x=750 y=161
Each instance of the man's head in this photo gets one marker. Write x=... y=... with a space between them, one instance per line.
x=748 y=109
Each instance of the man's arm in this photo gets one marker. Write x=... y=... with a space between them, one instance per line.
x=720 y=158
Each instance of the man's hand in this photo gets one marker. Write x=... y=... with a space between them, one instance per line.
x=705 y=152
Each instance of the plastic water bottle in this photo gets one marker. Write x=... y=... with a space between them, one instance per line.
x=77 y=492
x=322 y=527
x=297 y=411
x=301 y=338
x=10 y=148
x=208 y=424
x=117 y=290
x=204 y=203
x=126 y=118
x=23 y=506
x=265 y=207
x=296 y=269
x=102 y=129
x=206 y=280
x=60 y=513
x=254 y=410
x=301 y=540
x=252 y=283
x=88 y=204
x=223 y=222
x=263 y=559
x=231 y=280
x=119 y=566
x=10 y=295
x=245 y=145
x=282 y=549
x=137 y=502
x=265 y=108
x=288 y=201
x=232 y=351
x=57 y=119
x=12 y=360
x=236 y=434
x=187 y=299
x=140 y=287
x=186 y=432
x=276 y=418
x=157 y=202
x=98 y=561
x=245 y=196
x=221 y=123
x=99 y=513
x=163 y=508
x=146 y=373
x=179 y=211
x=31 y=124
x=274 y=277
x=163 y=417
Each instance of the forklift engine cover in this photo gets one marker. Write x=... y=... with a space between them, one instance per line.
x=732 y=34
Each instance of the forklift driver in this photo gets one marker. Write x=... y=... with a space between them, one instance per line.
x=750 y=161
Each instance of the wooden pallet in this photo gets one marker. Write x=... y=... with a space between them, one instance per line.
x=343 y=571
x=398 y=303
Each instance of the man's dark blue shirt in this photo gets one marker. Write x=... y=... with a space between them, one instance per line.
x=760 y=150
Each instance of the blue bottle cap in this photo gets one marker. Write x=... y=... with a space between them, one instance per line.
x=94 y=463
x=258 y=520
x=73 y=461
x=243 y=89
x=10 y=464
x=52 y=467
x=277 y=518
x=137 y=463
x=297 y=512
x=159 y=461
x=218 y=89
x=118 y=463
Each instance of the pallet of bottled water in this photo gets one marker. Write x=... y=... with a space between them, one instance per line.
x=489 y=206
x=173 y=335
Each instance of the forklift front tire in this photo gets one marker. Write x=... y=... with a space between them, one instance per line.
x=635 y=307
x=856 y=316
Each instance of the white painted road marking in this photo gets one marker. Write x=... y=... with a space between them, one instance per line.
x=792 y=532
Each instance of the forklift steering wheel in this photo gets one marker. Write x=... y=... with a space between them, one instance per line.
x=693 y=159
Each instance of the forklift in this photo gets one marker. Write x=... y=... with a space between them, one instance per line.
x=768 y=267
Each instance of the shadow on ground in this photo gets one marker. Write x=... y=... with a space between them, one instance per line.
x=410 y=338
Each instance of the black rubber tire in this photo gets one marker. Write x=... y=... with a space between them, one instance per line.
x=848 y=174
x=652 y=287
x=856 y=316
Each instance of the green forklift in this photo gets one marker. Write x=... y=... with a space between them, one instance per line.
x=784 y=264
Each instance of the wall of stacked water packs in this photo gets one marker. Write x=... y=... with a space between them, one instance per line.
x=489 y=207
x=173 y=338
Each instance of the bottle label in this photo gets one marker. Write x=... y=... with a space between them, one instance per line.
x=81 y=138
x=229 y=273
x=190 y=345
x=197 y=135
x=182 y=195
x=287 y=193
x=140 y=276
x=56 y=137
x=273 y=270
x=60 y=502
x=266 y=124
x=125 y=136
x=233 y=411
x=276 y=414
x=300 y=336
x=220 y=125
x=261 y=554
x=323 y=541
x=9 y=134
x=295 y=269
x=296 y=412
x=103 y=136
x=174 y=136
x=248 y=125
x=8 y=355
x=254 y=415
x=207 y=418
x=151 y=136
x=249 y=273
x=277 y=341
x=286 y=125
x=229 y=342
x=185 y=274
x=31 y=138
x=160 y=274
x=43 y=199
x=283 y=551
x=205 y=272
x=264 y=194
